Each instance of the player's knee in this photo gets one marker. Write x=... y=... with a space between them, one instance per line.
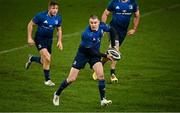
x=100 y=75
x=114 y=62
x=72 y=79
x=47 y=59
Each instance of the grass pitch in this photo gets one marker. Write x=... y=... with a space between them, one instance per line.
x=149 y=72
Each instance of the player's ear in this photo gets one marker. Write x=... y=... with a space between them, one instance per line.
x=98 y=21
x=49 y=7
x=89 y=20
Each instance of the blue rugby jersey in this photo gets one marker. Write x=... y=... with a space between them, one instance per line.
x=46 y=24
x=92 y=39
x=121 y=12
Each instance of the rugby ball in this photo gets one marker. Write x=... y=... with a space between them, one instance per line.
x=115 y=54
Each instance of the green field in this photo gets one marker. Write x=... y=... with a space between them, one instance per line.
x=149 y=72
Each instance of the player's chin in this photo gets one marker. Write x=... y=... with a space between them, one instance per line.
x=93 y=28
x=54 y=14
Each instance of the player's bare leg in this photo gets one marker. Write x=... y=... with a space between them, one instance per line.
x=46 y=61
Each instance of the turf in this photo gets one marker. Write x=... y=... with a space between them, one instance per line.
x=148 y=73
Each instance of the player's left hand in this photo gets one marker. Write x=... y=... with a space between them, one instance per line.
x=131 y=31
x=59 y=45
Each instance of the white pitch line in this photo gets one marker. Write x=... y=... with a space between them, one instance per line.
x=72 y=34
x=77 y=33
x=13 y=49
x=160 y=10
x=25 y=46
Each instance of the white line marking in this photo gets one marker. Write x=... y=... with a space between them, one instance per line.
x=25 y=46
x=13 y=49
x=160 y=10
x=77 y=33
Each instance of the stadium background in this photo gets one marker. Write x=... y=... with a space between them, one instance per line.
x=148 y=73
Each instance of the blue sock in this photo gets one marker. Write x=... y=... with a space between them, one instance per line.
x=63 y=85
x=46 y=75
x=102 y=88
x=36 y=59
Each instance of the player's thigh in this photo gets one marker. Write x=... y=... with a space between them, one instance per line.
x=73 y=74
x=93 y=60
x=98 y=68
x=80 y=61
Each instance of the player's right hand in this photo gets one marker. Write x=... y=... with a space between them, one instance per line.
x=31 y=42
x=59 y=45
x=110 y=57
x=131 y=31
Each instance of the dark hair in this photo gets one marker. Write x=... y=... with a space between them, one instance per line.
x=94 y=17
x=53 y=2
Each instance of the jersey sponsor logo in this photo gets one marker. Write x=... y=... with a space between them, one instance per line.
x=124 y=11
x=46 y=27
x=45 y=22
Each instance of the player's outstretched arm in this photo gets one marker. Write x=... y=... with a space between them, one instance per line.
x=92 y=52
x=29 y=33
x=105 y=15
x=135 y=22
x=59 y=35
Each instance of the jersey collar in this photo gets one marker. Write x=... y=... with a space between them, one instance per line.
x=122 y=1
x=47 y=14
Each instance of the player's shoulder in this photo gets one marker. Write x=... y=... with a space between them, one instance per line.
x=43 y=13
x=58 y=16
x=103 y=25
x=87 y=29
